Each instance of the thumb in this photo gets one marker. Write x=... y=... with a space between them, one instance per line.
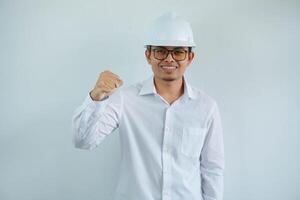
x=119 y=83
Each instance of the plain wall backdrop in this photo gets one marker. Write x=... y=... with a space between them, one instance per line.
x=51 y=53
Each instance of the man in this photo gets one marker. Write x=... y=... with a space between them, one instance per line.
x=171 y=133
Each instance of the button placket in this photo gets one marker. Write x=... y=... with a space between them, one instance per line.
x=166 y=158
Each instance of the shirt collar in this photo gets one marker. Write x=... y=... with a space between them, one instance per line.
x=148 y=87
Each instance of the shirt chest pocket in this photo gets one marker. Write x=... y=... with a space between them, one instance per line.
x=192 y=141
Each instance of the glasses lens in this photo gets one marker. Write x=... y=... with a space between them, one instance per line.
x=160 y=53
x=179 y=54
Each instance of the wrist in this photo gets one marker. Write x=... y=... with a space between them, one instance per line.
x=97 y=96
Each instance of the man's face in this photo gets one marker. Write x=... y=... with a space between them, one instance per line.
x=172 y=67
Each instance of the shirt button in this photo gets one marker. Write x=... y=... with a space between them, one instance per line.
x=167 y=128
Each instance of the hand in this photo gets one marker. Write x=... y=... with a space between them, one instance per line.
x=106 y=84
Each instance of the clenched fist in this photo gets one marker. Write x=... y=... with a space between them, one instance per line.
x=106 y=84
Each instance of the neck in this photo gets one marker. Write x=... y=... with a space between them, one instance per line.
x=170 y=90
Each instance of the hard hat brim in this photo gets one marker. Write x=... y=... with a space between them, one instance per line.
x=170 y=43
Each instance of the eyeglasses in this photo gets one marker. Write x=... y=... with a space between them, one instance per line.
x=161 y=53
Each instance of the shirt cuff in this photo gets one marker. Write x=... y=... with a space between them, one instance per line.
x=90 y=104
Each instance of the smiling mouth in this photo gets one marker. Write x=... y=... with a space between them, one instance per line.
x=169 y=68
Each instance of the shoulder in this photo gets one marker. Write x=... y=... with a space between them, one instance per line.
x=203 y=97
x=207 y=102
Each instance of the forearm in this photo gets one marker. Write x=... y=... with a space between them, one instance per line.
x=84 y=123
x=212 y=161
x=212 y=181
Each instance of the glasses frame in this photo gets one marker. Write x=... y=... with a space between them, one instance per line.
x=169 y=51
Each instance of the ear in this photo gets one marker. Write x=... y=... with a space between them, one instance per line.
x=147 y=55
x=191 y=56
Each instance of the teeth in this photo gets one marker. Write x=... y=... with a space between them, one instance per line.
x=168 y=67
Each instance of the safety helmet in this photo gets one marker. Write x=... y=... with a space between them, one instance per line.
x=170 y=30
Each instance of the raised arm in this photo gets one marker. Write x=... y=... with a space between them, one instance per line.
x=99 y=114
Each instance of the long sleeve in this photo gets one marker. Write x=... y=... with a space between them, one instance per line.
x=94 y=120
x=212 y=159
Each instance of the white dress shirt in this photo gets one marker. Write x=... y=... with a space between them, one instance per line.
x=169 y=152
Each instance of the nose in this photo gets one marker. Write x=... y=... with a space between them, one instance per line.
x=169 y=57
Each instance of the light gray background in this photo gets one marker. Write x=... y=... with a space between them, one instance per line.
x=247 y=58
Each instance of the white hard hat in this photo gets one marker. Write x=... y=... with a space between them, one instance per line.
x=170 y=30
